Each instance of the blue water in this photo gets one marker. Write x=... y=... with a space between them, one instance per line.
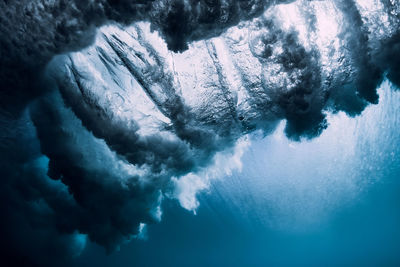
x=333 y=200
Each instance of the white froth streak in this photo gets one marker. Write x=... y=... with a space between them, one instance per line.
x=224 y=164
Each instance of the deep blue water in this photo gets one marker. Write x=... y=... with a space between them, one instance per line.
x=333 y=200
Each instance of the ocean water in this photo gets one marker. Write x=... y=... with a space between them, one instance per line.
x=333 y=200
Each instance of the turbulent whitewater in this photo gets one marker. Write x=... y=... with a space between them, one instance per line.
x=153 y=109
x=139 y=114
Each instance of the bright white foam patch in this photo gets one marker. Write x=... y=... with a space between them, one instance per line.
x=225 y=163
x=142 y=232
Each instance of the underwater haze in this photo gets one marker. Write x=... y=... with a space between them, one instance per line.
x=200 y=133
x=331 y=201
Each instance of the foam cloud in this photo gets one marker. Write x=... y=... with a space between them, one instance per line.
x=31 y=202
x=33 y=32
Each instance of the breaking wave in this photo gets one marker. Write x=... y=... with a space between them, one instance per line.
x=157 y=108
